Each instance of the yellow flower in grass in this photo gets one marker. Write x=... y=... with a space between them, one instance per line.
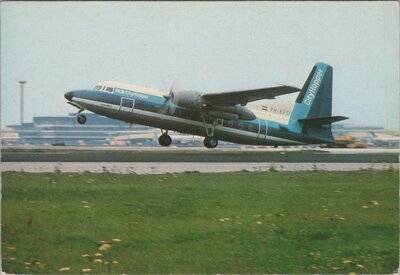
x=86 y=270
x=339 y=217
x=347 y=262
x=116 y=240
x=63 y=269
x=105 y=247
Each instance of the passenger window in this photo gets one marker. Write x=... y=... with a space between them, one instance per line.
x=117 y=90
x=97 y=87
x=109 y=89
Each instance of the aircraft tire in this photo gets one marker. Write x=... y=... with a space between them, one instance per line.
x=210 y=142
x=165 y=140
x=81 y=119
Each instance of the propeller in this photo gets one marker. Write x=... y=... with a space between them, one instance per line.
x=169 y=106
x=174 y=88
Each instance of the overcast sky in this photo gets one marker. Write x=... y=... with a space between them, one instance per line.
x=210 y=47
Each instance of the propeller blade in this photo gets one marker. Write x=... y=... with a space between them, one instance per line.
x=175 y=86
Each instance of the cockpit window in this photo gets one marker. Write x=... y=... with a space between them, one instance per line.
x=109 y=89
x=97 y=87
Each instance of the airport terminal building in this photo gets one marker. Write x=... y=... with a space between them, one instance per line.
x=64 y=130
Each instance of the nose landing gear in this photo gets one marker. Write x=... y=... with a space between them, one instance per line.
x=81 y=119
x=164 y=139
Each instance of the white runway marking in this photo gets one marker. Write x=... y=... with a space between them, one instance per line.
x=180 y=167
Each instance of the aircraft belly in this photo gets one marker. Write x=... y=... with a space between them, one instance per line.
x=101 y=110
x=193 y=127
x=187 y=126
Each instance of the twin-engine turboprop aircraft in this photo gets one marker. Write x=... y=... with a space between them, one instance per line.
x=231 y=116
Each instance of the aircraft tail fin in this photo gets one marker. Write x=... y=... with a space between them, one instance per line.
x=312 y=113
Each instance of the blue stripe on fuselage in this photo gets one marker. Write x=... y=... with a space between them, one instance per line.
x=158 y=104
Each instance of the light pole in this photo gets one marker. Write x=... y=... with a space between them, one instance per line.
x=22 y=101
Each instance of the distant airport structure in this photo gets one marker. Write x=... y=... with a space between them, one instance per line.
x=102 y=131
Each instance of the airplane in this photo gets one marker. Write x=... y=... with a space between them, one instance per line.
x=240 y=116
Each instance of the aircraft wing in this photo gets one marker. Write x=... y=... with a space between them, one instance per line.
x=243 y=97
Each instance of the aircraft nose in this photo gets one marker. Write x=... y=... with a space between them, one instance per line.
x=69 y=95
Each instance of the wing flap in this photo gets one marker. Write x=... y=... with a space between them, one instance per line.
x=243 y=97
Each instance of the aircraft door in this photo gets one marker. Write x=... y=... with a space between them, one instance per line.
x=262 y=129
x=127 y=105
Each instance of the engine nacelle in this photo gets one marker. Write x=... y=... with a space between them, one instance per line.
x=236 y=112
x=193 y=100
x=187 y=99
x=223 y=115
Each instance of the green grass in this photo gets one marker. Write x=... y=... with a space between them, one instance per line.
x=299 y=222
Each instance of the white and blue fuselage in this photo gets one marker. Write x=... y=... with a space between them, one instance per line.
x=151 y=107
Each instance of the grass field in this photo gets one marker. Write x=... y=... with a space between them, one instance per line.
x=273 y=222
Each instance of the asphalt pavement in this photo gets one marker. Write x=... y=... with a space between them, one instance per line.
x=173 y=167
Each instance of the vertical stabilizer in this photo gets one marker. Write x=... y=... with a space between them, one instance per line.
x=313 y=103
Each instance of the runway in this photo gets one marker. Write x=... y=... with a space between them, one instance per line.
x=201 y=155
x=141 y=168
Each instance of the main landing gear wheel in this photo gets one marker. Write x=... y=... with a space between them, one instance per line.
x=81 y=119
x=210 y=142
x=164 y=140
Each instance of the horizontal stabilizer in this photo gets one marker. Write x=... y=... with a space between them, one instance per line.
x=322 y=120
